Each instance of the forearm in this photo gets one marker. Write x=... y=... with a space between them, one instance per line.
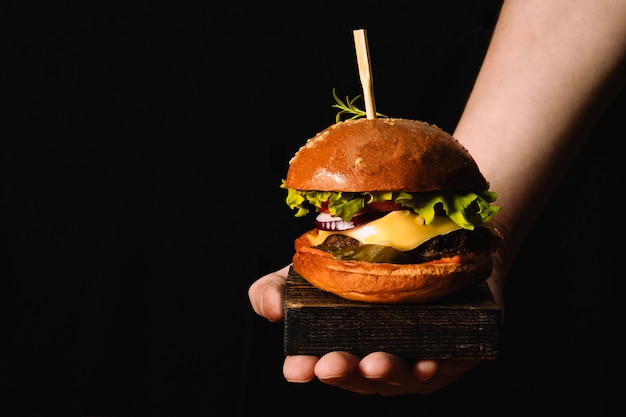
x=551 y=69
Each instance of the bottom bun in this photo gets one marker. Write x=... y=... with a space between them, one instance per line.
x=389 y=283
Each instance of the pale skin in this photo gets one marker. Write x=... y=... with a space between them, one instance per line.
x=552 y=68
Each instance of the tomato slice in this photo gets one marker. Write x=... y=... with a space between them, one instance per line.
x=379 y=206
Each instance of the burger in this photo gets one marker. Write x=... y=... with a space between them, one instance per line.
x=403 y=213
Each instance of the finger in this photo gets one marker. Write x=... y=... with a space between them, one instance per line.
x=336 y=365
x=266 y=294
x=425 y=369
x=299 y=368
x=385 y=367
x=445 y=372
x=339 y=369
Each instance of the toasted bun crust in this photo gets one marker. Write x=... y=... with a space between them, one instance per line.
x=383 y=154
x=388 y=283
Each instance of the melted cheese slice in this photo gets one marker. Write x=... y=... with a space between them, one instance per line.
x=401 y=229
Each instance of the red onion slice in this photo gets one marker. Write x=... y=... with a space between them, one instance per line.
x=324 y=221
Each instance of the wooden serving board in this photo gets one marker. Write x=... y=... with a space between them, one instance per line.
x=463 y=326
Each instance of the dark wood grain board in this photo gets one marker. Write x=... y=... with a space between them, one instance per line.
x=464 y=326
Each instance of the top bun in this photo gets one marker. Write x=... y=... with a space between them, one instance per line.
x=383 y=154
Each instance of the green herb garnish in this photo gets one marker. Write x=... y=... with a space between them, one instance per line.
x=348 y=107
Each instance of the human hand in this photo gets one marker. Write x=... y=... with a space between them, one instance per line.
x=377 y=373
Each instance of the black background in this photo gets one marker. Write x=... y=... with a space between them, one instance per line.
x=143 y=146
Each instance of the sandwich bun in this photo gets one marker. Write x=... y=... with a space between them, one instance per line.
x=387 y=282
x=383 y=154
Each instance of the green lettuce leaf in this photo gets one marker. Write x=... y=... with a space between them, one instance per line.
x=466 y=208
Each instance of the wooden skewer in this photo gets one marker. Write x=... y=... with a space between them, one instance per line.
x=365 y=71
